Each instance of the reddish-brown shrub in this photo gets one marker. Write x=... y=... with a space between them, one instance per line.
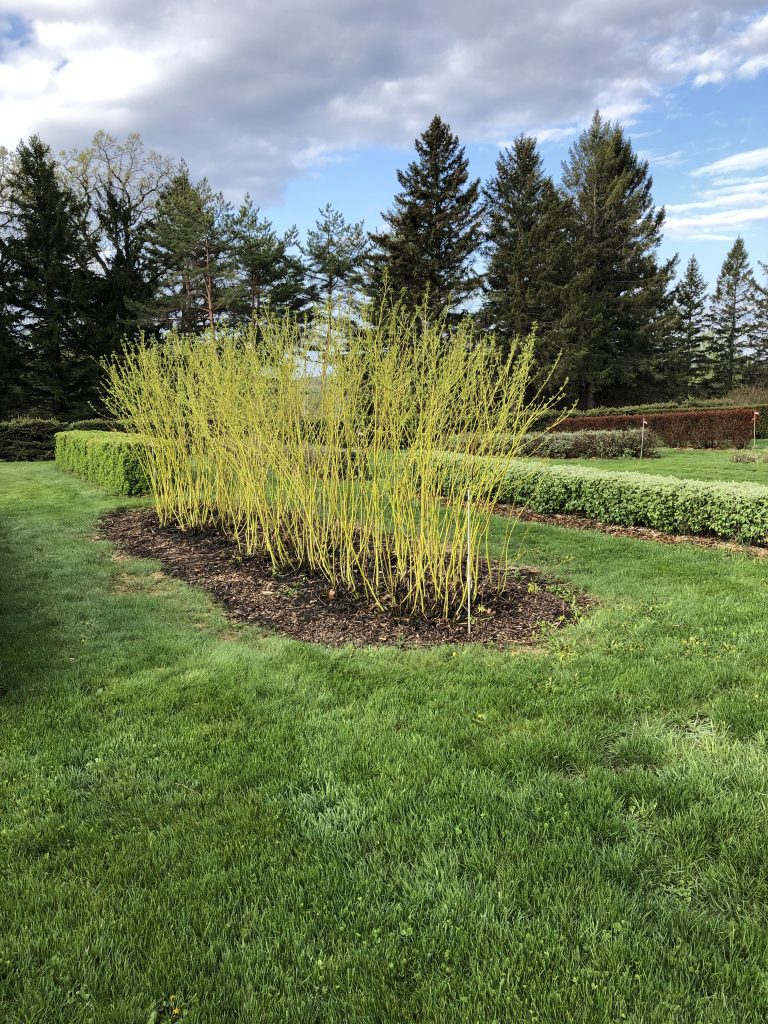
x=709 y=428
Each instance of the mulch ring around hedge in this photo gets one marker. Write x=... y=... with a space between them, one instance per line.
x=301 y=606
x=574 y=522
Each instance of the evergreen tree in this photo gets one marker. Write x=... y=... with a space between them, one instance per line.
x=335 y=252
x=268 y=273
x=731 y=320
x=11 y=354
x=684 y=364
x=119 y=185
x=758 y=372
x=434 y=228
x=616 y=296
x=52 y=297
x=191 y=239
x=526 y=247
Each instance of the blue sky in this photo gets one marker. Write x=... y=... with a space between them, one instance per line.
x=316 y=101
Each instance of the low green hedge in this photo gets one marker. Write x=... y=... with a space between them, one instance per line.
x=32 y=440
x=734 y=511
x=591 y=444
x=110 y=459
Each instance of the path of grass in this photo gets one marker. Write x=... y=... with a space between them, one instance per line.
x=282 y=833
x=694 y=464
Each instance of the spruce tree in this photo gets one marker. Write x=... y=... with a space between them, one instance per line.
x=616 y=296
x=433 y=229
x=758 y=371
x=684 y=363
x=731 y=320
x=52 y=285
x=526 y=248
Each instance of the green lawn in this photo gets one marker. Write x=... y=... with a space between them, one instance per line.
x=281 y=833
x=695 y=464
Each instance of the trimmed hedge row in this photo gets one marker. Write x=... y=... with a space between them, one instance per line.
x=591 y=444
x=110 y=459
x=750 y=455
x=710 y=428
x=733 y=511
x=32 y=440
x=746 y=401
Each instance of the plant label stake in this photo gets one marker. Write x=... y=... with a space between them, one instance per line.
x=642 y=436
x=755 y=414
x=469 y=577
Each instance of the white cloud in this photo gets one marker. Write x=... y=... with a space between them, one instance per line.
x=251 y=96
x=751 y=160
x=735 y=199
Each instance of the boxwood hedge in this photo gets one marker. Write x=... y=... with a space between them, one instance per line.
x=110 y=459
x=734 y=511
x=32 y=440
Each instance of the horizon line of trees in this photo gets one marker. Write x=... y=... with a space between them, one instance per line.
x=99 y=244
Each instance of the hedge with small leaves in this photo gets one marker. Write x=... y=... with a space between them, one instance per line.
x=710 y=428
x=750 y=455
x=110 y=459
x=591 y=444
x=32 y=440
x=733 y=511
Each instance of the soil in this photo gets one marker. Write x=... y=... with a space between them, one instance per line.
x=301 y=606
x=573 y=522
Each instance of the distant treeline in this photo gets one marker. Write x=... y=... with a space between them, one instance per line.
x=99 y=244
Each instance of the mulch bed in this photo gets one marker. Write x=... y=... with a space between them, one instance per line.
x=573 y=522
x=301 y=606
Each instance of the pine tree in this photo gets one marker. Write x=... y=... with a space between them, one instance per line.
x=191 y=240
x=434 y=228
x=335 y=252
x=53 y=292
x=526 y=247
x=684 y=363
x=269 y=274
x=616 y=296
x=731 y=320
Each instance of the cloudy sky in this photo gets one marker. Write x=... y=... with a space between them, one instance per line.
x=303 y=102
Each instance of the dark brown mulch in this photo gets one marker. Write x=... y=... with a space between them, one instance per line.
x=300 y=605
x=573 y=522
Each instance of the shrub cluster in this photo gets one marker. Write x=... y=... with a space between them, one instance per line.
x=335 y=475
x=591 y=444
x=750 y=455
x=32 y=440
x=710 y=428
x=734 y=511
x=113 y=460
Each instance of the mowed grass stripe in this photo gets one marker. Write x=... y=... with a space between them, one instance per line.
x=276 y=832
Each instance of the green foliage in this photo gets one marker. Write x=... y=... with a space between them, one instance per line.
x=32 y=440
x=592 y=444
x=736 y=511
x=731 y=320
x=616 y=293
x=346 y=487
x=747 y=456
x=526 y=247
x=684 y=358
x=433 y=230
x=114 y=461
x=28 y=440
x=47 y=289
